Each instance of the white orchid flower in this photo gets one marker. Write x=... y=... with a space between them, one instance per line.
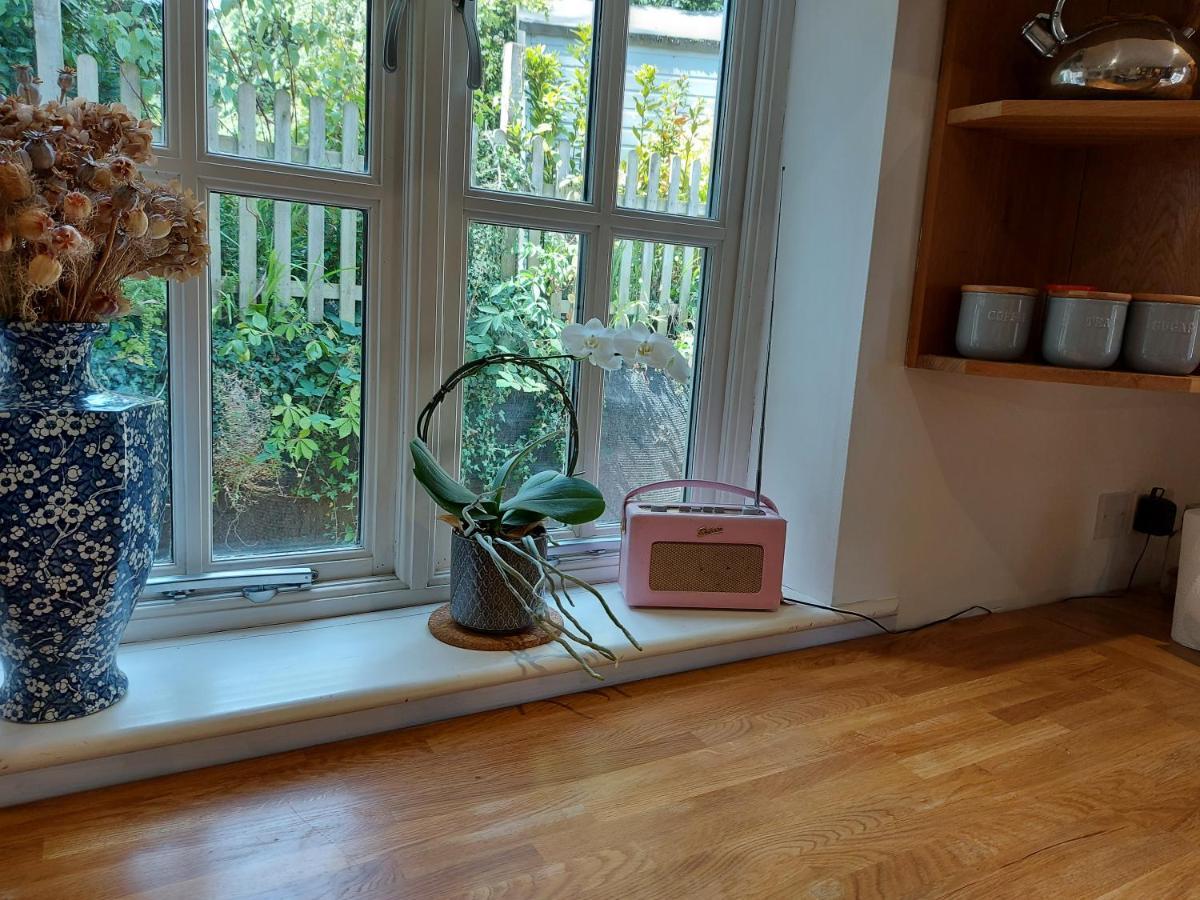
x=678 y=368
x=587 y=340
x=608 y=360
x=638 y=344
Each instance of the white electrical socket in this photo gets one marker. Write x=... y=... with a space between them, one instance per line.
x=1114 y=515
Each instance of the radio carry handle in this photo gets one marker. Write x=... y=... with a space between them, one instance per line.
x=693 y=482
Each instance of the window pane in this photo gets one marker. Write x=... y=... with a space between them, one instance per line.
x=673 y=68
x=286 y=377
x=531 y=116
x=132 y=358
x=646 y=414
x=521 y=291
x=116 y=46
x=287 y=81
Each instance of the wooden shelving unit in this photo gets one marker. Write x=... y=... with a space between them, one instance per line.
x=1037 y=192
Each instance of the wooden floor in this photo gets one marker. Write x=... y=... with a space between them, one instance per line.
x=1050 y=753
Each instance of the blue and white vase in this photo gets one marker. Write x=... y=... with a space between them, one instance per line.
x=83 y=485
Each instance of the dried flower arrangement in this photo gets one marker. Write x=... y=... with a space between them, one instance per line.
x=77 y=216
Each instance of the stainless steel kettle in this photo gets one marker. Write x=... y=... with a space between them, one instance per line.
x=1132 y=57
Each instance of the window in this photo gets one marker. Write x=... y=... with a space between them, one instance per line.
x=601 y=176
x=280 y=455
x=370 y=232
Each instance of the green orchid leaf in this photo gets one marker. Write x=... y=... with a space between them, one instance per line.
x=520 y=518
x=500 y=479
x=553 y=495
x=445 y=491
x=537 y=480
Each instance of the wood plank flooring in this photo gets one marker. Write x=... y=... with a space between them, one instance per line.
x=1048 y=753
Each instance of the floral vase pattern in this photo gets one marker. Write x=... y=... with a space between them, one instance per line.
x=83 y=480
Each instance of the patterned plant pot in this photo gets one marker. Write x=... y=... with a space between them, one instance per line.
x=479 y=597
x=83 y=479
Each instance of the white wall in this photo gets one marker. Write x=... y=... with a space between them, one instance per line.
x=963 y=490
x=837 y=102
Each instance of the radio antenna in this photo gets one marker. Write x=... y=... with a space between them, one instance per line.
x=762 y=424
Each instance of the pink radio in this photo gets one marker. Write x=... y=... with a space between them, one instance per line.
x=702 y=556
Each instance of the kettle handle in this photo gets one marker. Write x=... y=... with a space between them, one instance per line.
x=1056 y=22
x=1045 y=31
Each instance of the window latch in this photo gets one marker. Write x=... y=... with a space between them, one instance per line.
x=391 y=35
x=466 y=9
x=256 y=585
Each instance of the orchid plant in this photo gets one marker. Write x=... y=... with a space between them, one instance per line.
x=508 y=525
x=610 y=349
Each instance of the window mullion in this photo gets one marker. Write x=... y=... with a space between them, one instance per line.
x=608 y=82
x=192 y=398
x=290 y=182
x=596 y=262
x=604 y=160
x=528 y=212
x=437 y=223
x=188 y=323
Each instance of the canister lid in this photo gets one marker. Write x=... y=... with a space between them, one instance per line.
x=1168 y=298
x=1094 y=295
x=999 y=289
x=1060 y=288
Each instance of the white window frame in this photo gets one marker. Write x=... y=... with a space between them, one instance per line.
x=599 y=220
x=185 y=155
x=417 y=200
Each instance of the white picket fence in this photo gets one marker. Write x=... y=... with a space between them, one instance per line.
x=679 y=198
x=669 y=190
x=312 y=282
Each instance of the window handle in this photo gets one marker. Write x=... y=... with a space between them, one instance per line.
x=466 y=9
x=391 y=35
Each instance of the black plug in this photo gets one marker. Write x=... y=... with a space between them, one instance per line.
x=1155 y=514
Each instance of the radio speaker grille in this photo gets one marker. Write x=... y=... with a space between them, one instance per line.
x=711 y=568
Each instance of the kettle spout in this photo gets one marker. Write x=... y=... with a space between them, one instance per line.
x=1040 y=35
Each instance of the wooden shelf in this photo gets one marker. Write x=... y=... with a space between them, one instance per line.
x=1039 y=192
x=1032 y=372
x=1083 y=122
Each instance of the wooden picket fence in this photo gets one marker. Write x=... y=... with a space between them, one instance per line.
x=680 y=197
x=315 y=286
x=312 y=283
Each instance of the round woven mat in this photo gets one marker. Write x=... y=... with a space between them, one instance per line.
x=446 y=630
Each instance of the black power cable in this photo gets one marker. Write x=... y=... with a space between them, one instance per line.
x=1133 y=572
x=880 y=625
x=849 y=612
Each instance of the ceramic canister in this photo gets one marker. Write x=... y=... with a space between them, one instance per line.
x=1163 y=334
x=1084 y=328
x=994 y=321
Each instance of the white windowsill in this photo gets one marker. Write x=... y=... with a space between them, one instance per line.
x=357 y=675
